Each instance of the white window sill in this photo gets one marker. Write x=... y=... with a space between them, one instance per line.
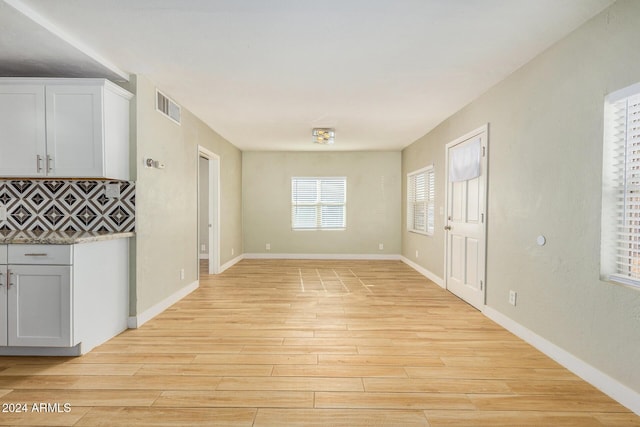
x=624 y=280
x=424 y=233
x=318 y=229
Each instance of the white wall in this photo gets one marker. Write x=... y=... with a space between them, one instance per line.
x=545 y=162
x=373 y=202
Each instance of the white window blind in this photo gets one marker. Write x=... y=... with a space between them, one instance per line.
x=621 y=187
x=318 y=203
x=421 y=201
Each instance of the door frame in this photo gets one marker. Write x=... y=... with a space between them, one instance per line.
x=213 y=209
x=484 y=168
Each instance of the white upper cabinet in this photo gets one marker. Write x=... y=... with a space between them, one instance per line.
x=64 y=128
x=22 y=129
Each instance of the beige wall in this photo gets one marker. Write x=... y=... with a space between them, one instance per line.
x=167 y=200
x=545 y=162
x=373 y=202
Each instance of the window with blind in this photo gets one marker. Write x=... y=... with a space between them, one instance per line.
x=620 y=250
x=421 y=201
x=318 y=203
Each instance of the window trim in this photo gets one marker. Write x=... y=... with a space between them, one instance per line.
x=429 y=202
x=318 y=204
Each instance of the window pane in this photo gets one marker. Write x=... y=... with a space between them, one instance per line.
x=420 y=201
x=304 y=191
x=305 y=217
x=318 y=203
x=420 y=187
x=620 y=256
x=419 y=217
x=332 y=191
x=333 y=216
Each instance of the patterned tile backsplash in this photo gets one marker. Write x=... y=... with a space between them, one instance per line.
x=69 y=205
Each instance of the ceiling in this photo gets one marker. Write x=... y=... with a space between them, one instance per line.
x=264 y=73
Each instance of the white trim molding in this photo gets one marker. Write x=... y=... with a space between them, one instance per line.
x=142 y=318
x=214 y=207
x=610 y=386
x=386 y=257
x=42 y=351
x=231 y=263
x=426 y=273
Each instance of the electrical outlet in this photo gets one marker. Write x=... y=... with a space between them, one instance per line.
x=182 y=274
x=233 y=251
x=268 y=246
x=3 y=213
x=203 y=248
x=381 y=246
x=417 y=254
x=513 y=295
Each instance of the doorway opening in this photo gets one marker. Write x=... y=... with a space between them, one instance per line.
x=208 y=211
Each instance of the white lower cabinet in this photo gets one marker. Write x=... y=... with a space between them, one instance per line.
x=3 y=302
x=39 y=306
x=62 y=299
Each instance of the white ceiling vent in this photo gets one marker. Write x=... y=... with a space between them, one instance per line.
x=167 y=106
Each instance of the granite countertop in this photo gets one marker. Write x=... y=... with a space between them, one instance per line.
x=58 y=237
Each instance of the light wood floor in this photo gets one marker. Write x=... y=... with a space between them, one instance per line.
x=280 y=343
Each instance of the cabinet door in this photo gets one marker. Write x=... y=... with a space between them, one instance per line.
x=22 y=130
x=39 y=306
x=74 y=131
x=3 y=305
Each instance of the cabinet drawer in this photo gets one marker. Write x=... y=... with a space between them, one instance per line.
x=3 y=254
x=40 y=254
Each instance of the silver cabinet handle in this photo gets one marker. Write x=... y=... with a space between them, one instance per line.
x=39 y=163
x=49 y=162
x=10 y=276
x=36 y=254
x=1 y=274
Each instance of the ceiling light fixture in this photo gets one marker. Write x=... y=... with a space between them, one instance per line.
x=323 y=135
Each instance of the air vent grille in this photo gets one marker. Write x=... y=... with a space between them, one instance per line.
x=167 y=106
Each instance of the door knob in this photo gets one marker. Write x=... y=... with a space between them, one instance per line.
x=447 y=227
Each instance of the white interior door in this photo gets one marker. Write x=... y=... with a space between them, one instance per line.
x=465 y=225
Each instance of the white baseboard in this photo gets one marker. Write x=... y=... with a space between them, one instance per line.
x=42 y=351
x=613 y=388
x=392 y=257
x=426 y=273
x=231 y=263
x=136 y=321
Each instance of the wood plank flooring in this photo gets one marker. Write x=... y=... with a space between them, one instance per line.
x=309 y=343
